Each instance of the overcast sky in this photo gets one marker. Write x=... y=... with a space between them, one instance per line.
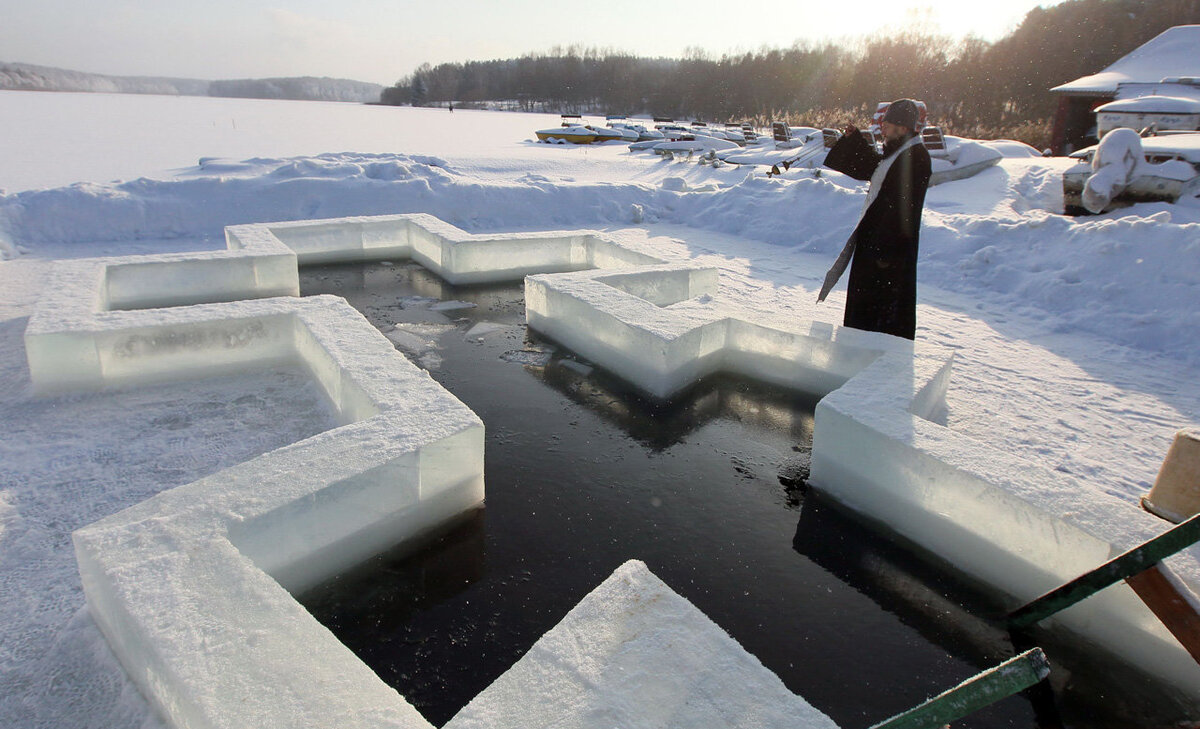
x=383 y=40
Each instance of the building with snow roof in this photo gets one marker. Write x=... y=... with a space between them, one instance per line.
x=1166 y=65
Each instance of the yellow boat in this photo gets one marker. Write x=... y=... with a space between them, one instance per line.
x=574 y=135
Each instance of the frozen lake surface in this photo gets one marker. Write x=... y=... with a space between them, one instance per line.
x=1066 y=331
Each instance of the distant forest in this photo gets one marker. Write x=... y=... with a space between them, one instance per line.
x=973 y=87
x=30 y=77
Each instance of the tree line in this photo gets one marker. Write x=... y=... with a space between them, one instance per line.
x=972 y=87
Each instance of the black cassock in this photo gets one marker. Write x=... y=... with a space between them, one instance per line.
x=882 y=291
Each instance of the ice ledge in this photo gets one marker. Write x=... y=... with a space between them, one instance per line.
x=191 y=587
x=636 y=655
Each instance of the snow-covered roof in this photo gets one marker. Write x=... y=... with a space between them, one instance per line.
x=1153 y=105
x=1175 y=52
x=1168 y=87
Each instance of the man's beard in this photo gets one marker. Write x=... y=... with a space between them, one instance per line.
x=892 y=145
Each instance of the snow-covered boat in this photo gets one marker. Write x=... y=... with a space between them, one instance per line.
x=952 y=158
x=958 y=158
x=635 y=132
x=698 y=143
x=607 y=134
x=1154 y=112
x=563 y=135
x=646 y=135
x=787 y=137
x=1125 y=168
x=674 y=138
x=804 y=148
x=672 y=132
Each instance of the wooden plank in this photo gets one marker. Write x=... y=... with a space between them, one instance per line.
x=1012 y=676
x=1173 y=609
x=1133 y=562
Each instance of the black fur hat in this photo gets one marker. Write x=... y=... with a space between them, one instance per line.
x=902 y=112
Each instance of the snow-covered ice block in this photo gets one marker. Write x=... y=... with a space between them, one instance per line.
x=455 y=255
x=259 y=267
x=189 y=279
x=636 y=655
x=660 y=328
x=812 y=362
x=334 y=240
x=86 y=332
x=623 y=332
x=261 y=262
x=1020 y=528
x=511 y=257
x=73 y=343
x=664 y=285
x=604 y=253
x=191 y=587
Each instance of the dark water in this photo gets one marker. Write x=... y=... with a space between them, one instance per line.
x=583 y=474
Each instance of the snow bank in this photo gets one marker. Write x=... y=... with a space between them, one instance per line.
x=219 y=193
x=997 y=234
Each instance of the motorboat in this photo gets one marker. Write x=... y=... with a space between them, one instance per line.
x=608 y=134
x=570 y=134
x=644 y=134
x=951 y=158
x=1157 y=112
x=955 y=158
x=698 y=143
x=1127 y=168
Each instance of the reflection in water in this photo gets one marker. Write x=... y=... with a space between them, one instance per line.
x=372 y=607
x=662 y=424
x=967 y=621
x=919 y=593
x=391 y=587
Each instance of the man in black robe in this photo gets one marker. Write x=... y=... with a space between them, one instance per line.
x=882 y=292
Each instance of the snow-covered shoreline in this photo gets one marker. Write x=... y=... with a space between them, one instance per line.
x=1072 y=336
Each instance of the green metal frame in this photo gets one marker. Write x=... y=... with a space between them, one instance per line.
x=1011 y=677
x=1133 y=562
